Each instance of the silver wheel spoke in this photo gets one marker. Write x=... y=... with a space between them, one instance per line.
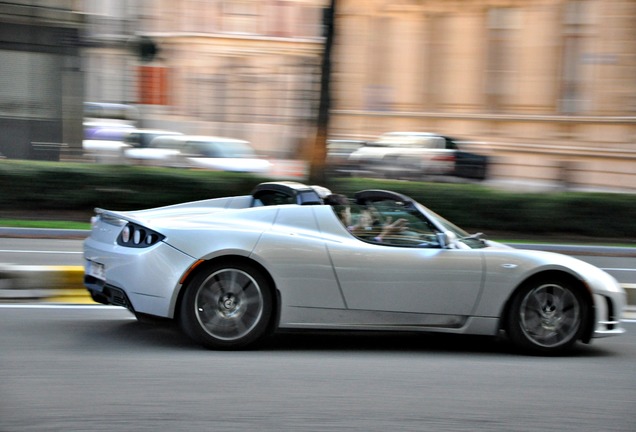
x=207 y=296
x=229 y=304
x=550 y=315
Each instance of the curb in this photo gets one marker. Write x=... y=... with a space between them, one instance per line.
x=65 y=284
x=54 y=284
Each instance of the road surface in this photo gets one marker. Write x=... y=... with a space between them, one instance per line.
x=95 y=368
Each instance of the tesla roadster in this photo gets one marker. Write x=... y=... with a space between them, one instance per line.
x=232 y=270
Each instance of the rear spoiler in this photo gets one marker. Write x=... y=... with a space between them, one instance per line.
x=113 y=217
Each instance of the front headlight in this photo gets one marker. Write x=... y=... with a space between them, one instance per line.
x=136 y=236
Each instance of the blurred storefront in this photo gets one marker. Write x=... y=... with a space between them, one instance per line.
x=41 y=83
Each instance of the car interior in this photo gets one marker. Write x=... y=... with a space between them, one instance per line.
x=370 y=210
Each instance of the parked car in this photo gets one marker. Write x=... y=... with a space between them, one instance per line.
x=206 y=152
x=105 y=111
x=416 y=155
x=231 y=270
x=140 y=150
x=142 y=138
x=338 y=153
x=105 y=127
x=104 y=142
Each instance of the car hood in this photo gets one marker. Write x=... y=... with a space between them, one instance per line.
x=523 y=263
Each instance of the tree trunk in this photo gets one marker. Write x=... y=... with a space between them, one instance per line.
x=319 y=153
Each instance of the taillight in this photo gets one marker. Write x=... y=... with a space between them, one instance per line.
x=136 y=236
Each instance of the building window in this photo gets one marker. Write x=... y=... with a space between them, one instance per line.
x=577 y=19
x=501 y=73
x=437 y=60
x=30 y=84
x=241 y=16
x=379 y=93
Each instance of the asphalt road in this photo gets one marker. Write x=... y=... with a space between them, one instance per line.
x=40 y=251
x=94 y=368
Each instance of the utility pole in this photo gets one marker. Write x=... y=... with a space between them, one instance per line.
x=319 y=153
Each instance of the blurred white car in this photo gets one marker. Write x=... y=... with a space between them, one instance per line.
x=414 y=155
x=105 y=142
x=338 y=155
x=139 y=149
x=142 y=138
x=205 y=152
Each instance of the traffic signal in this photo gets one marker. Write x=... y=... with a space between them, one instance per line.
x=147 y=49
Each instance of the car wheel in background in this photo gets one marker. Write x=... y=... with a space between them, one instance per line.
x=226 y=306
x=546 y=316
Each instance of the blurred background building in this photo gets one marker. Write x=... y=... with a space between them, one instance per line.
x=238 y=68
x=546 y=88
x=41 y=81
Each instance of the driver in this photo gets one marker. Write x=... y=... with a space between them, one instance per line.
x=369 y=225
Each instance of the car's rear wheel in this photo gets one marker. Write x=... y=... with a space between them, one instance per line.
x=226 y=306
x=546 y=316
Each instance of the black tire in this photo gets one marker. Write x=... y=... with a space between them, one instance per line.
x=226 y=306
x=546 y=316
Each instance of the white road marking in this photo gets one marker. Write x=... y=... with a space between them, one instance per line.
x=39 y=251
x=57 y=306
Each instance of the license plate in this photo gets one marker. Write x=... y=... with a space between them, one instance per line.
x=95 y=270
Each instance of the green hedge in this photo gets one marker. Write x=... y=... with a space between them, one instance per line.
x=484 y=209
x=33 y=186
x=75 y=186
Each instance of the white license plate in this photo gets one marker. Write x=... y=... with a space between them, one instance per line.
x=95 y=269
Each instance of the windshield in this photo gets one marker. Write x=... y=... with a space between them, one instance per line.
x=390 y=223
x=213 y=149
x=472 y=241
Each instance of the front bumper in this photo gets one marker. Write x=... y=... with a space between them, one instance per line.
x=608 y=312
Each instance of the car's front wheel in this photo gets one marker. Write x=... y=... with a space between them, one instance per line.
x=546 y=316
x=226 y=306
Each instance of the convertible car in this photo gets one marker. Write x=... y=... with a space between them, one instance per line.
x=232 y=270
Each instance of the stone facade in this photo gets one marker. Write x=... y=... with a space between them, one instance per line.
x=547 y=88
x=241 y=68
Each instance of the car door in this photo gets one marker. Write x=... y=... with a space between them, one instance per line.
x=406 y=279
x=404 y=269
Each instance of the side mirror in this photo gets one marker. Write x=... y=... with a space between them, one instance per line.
x=446 y=239
x=442 y=239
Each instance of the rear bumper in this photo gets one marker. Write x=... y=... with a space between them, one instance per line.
x=107 y=294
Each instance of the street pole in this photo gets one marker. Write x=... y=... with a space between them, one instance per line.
x=319 y=153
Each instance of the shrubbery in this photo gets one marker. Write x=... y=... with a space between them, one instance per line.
x=33 y=186
x=483 y=209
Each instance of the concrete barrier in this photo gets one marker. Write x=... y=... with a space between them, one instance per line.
x=55 y=284
x=65 y=284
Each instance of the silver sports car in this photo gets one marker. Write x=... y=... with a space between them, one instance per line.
x=232 y=270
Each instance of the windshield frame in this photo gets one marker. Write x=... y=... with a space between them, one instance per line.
x=473 y=241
